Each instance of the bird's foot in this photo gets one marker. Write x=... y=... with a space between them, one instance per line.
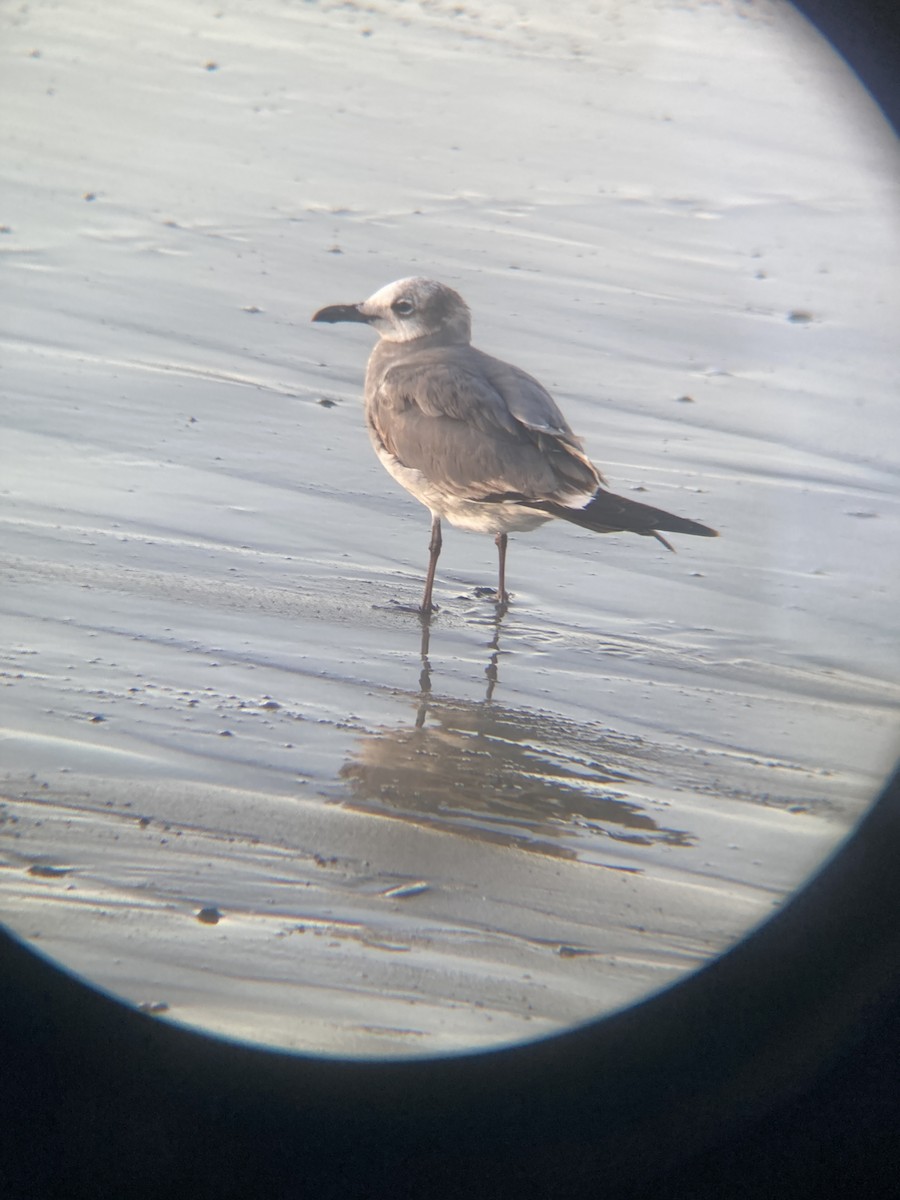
x=500 y=599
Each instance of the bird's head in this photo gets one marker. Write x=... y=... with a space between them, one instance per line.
x=408 y=309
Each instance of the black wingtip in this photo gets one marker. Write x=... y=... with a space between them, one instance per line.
x=695 y=528
x=609 y=513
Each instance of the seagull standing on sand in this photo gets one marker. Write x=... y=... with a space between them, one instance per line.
x=476 y=440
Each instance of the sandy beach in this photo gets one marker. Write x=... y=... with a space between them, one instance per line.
x=682 y=219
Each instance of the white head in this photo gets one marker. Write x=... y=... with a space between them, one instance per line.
x=408 y=309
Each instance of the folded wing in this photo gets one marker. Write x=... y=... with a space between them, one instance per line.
x=474 y=427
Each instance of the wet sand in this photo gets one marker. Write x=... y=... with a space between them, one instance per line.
x=213 y=700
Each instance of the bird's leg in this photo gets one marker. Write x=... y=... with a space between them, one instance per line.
x=434 y=550
x=500 y=541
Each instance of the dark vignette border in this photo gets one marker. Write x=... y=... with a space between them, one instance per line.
x=774 y=1072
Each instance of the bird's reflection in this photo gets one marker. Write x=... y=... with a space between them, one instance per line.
x=491 y=671
x=513 y=776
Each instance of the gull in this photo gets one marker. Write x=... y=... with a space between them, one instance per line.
x=478 y=441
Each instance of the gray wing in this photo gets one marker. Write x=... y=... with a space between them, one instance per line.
x=525 y=398
x=478 y=428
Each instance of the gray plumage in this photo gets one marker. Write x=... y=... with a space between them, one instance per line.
x=476 y=440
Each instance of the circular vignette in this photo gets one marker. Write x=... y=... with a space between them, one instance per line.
x=101 y=1100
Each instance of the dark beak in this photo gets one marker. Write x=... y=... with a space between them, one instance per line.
x=341 y=312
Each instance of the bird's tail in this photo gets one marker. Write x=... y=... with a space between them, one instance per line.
x=609 y=513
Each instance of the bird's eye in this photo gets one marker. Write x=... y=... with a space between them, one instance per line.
x=403 y=308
